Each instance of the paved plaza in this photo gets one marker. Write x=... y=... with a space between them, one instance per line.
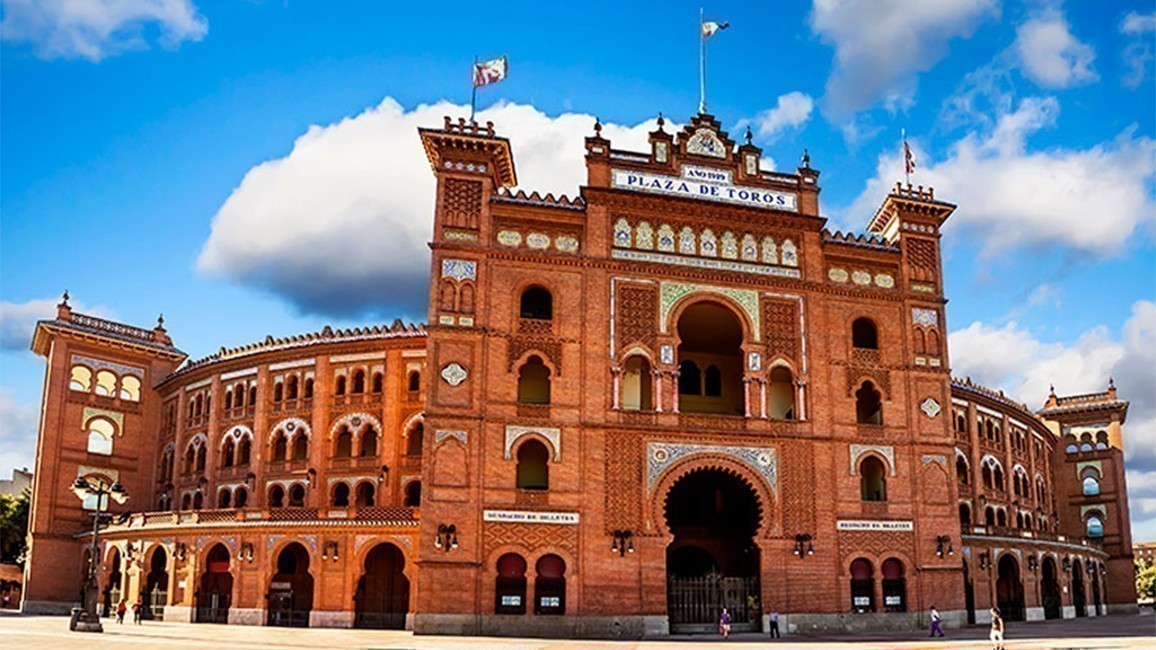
x=45 y=633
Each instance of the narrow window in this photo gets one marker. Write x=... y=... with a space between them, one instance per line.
x=510 y=586
x=550 y=586
x=965 y=517
x=862 y=586
x=278 y=392
x=340 y=495
x=106 y=383
x=224 y=498
x=868 y=405
x=81 y=379
x=344 y=448
x=308 y=388
x=244 y=451
x=300 y=448
x=415 y=440
x=227 y=453
x=894 y=586
x=100 y=436
x=636 y=385
x=378 y=382
x=297 y=496
x=369 y=442
x=413 y=494
x=961 y=473
x=365 y=494
x=781 y=394
x=1095 y=526
x=339 y=386
x=241 y=498
x=130 y=388
x=872 y=480
x=277 y=497
x=533 y=466
x=864 y=335
x=1091 y=486
x=291 y=387
x=534 y=382
x=414 y=381
x=689 y=378
x=358 y=382
x=712 y=381
x=280 y=447
x=537 y=303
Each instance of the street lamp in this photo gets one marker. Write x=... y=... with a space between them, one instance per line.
x=86 y=618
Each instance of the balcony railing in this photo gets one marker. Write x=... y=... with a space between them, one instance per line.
x=385 y=515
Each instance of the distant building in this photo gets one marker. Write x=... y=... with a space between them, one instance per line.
x=21 y=480
x=1144 y=552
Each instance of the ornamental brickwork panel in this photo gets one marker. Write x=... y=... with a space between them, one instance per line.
x=636 y=313
x=782 y=322
x=875 y=542
x=798 y=488
x=924 y=264
x=623 y=481
x=530 y=537
x=463 y=203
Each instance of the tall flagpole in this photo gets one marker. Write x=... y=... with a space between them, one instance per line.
x=474 y=91
x=701 y=65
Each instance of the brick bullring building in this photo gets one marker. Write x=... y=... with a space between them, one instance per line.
x=676 y=393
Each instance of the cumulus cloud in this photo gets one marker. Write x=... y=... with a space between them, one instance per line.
x=18 y=319
x=1050 y=55
x=882 y=45
x=1013 y=359
x=792 y=110
x=95 y=29
x=1137 y=54
x=18 y=423
x=1017 y=197
x=339 y=226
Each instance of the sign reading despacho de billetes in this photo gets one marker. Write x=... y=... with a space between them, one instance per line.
x=706 y=184
x=874 y=525
x=530 y=517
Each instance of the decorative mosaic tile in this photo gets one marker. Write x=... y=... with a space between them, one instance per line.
x=862 y=278
x=644 y=236
x=838 y=275
x=459 y=235
x=671 y=292
x=935 y=458
x=510 y=238
x=730 y=247
x=459 y=269
x=99 y=364
x=923 y=288
x=566 y=244
x=930 y=407
x=770 y=251
x=686 y=242
x=705 y=142
x=661 y=455
x=553 y=434
x=705 y=263
x=454 y=374
x=752 y=166
x=660 y=152
x=789 y=254
x=666 y=354
x=537 y=240
x=622 y=237
x=442 y=434
x=707 y=245
x=666 y=239
x=755 y=362
x=884 y=280
x=886 y=451
x=925 y=317
x=750 y=249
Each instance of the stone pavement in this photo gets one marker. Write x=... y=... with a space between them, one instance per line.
x=48 y=633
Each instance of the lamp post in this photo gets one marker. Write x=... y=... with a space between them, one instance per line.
x=86 y=618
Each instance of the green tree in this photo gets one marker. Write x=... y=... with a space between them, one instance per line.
x=13 y=526
x=1146 y=580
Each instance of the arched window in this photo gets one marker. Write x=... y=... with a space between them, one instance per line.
x=1001 y=518
x=997 y=479
x=296 y=496
x=989 y=516
x=80 y=379
x=1091 y=485
x=872 y=479
x=962 y=474
x=689 y=378
x=378 y=382
x=276 y=497
x=365 y=495
x=190 y=459
x=637 y=391
x=238 y=396
x=961 y=423
x=864 y=335
x=308 y=392
x=510 y=586
x=712 y=381
x=344 y=447
x=100 y=436
x=253 y=394
x=340 y=496
x=466 y=299
x=413 y=494
x=534 y=382
x=280 y=447
x=537 y=303
x=533 y=466
x=198 y=500
x=244 y=451
x=130 y=388
x=868 y=405
x=862 y=586
x=278 y=392
x=228 y=399
x=1019 y=520
x=1101 y=440
x=106 y=384
x=414 y=381
x=339 y=386
x=369 y=442
x=965 y=517
x=987 y=482
x=933 y=343
x=300 y=447
x=228 y=453
x=291 y=387
x=201 y=458
x=894 y=586
x=550 y=586
x=224 y=498
x=241 y=498
x=781 y=394
x=187 y=502
x=415 y=440
x=1095 y=526
x=447 y=296
x=358 y=385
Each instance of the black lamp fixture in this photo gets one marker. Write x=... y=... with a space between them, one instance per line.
x=803 y=546
x=1091 y=568
x=246 y=551
x=939 y=546
x=447 y=537
x=1033 y=563
x=330 y=551
x=1067 y=565
x=180 y=550
x=623 y=542
x=1103 y=570
x=984 y=561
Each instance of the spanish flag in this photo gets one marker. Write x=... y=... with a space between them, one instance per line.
x=489 y=72
x=710 y=27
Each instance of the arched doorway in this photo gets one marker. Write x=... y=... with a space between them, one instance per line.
x=155 y=594
x=968 y=594
x=1096 y=590
x=1050 y=589
x=382 y=598
x=112 y=590
x=1009 y=589
x=291 y=589
x=1079 y=599
x=710 y=359
x=216 y=592
x=713 y=561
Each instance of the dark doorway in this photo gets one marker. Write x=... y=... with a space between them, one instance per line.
x=155 y=594
x=216 y=592
x=968 y=595
x=112 y=591
x=1079 y=598
x=1050 y=590
x=291 y=590
x=713 y=561
x=710 y=354
x=1009 y=589
x=382 y=598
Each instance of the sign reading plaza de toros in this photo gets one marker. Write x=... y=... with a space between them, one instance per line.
x=704 y=183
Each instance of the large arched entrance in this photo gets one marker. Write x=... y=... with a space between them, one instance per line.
x=1009 y=589
x=216 y=592
x=710 y=360
x=155 y=594
x=291 y=589
x=1079 y=599
x=112 y=592
x=1050 y=589
x=382 y=598
x=713 y=561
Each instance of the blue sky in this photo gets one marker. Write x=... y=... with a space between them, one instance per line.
x=252 y=167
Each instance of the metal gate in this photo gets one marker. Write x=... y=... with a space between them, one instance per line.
x=695 y=604
x=154 y=605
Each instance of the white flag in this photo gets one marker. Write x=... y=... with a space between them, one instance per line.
x=489 y=72
x=710 y=27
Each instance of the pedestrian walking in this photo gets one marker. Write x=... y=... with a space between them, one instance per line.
x=775 y=623
x=935 y=622
x=996 y=630
x=136 y=611
x=120 y=610
x=724 y=623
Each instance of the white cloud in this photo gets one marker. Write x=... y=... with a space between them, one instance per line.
x=1050 y=55
x=18 y=423
x=1014 y=360
x=18 y=319
x=94 y=29
x=792 y=110
x=1012 y=197
x=882 y=45
x=340 y=224
x=1137 y=53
